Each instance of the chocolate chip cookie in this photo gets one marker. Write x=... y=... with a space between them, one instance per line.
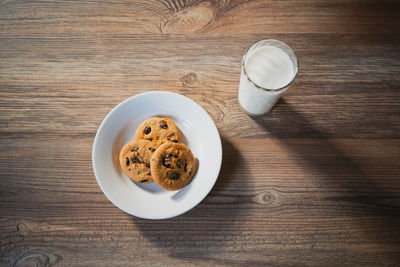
x=173 y=166
x=134 y=159
x=158 y=128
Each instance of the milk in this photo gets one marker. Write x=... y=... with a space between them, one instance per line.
x=269 y=67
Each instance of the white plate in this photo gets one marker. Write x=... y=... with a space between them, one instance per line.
x=149 y=201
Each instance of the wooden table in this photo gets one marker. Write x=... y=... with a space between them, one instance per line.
x=314 y=182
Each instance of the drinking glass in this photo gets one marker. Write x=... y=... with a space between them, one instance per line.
x=266 y=74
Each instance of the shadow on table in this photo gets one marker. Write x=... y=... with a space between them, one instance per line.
x=384 y=18
x=357 y=192
x=206 y=228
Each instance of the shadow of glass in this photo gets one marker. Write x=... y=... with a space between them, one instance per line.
x=210 y=225
x=355 y=189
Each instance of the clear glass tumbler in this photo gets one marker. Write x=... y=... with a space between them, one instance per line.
x=269 y=67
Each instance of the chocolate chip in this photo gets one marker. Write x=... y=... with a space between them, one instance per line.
x=147 y=165
x=175 y=175
x=135 y=149
x=147 y=130
x=135 y=160
x=165 y=159
x=190 y=173
x=152 y=149
x=166 y=165
x=179 y=163
x=169 y=136
x=143 y=181
x=163 y=125
x=150 y=139
x=175 y=141
x=184 y=168
x=127 y=161
x=149 y=174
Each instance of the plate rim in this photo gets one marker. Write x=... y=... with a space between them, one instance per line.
x=217 y=169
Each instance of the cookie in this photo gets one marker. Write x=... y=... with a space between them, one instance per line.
x=158 y=128
x=134 y=159
x=173 y=166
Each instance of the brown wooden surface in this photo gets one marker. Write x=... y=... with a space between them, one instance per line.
x=315 y=182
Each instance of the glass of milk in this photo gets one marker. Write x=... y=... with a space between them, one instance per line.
x=268 y=69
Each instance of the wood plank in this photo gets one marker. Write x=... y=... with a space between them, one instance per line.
x=347 y=87
x=187 y=16
x=193 y=240
x=266 y=177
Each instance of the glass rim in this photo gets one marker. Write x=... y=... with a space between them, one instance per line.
x=260 y=87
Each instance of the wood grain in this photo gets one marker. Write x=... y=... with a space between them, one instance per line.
x=319 y=205
x=315 y=182
x=191 y=16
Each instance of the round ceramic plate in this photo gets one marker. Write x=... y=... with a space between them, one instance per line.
x=149 y=201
